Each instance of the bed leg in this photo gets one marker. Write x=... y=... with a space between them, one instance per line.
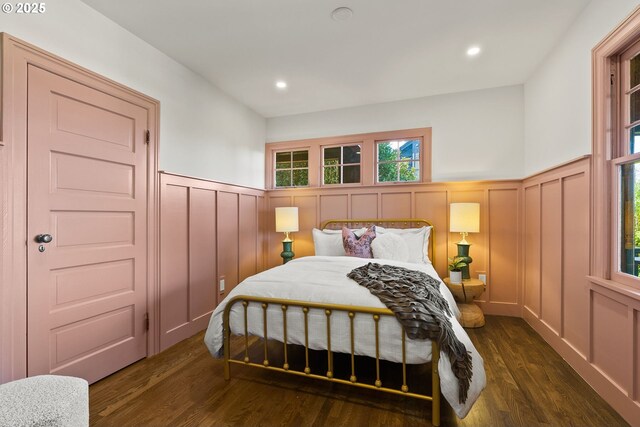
x=435 y=382
x=227 y=364
x=227 y=342
x=227 y=373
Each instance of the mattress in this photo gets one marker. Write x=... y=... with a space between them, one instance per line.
x=324 y=280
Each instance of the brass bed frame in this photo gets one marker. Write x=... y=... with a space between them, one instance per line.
x=328 y=309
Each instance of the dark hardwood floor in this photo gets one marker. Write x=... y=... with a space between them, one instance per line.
x=528 y=385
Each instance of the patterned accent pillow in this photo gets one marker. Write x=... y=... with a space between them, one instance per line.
x=358 y=247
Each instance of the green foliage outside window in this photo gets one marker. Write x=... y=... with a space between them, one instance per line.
x=292 y=169
x=331 y=173
x=341 y=164
x=388 y=172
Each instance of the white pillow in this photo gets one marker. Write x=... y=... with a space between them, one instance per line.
x=390 y=246
x=417 y=240
x=329 y=242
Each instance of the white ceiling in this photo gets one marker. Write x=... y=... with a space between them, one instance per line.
x=389 y=50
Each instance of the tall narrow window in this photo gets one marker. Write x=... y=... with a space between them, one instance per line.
x=341 y=165
x=292 y=169
x=626 y=160
x=398 y=160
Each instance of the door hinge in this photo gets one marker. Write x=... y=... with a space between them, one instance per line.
x=612 y=78
x=146 y=321
x=147 y=137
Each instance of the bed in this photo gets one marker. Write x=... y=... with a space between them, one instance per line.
x=310 y=302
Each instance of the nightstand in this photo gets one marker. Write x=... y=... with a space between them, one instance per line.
x=472 y=316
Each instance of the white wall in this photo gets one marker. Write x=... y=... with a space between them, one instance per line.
x=476 y=135
x=204 y=132
x=558 y=95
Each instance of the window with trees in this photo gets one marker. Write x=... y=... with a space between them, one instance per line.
x=398 y=160
x=366 y=159
x=626 y=158
x=292 y=169
x=615 y=162
x=341 y=165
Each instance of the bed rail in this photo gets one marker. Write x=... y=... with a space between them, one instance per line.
x=328 y=309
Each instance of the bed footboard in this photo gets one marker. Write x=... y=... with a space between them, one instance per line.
x=328 y=309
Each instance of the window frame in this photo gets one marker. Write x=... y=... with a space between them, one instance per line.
x=341 y=165
x=398 y=161
x=620 y=154
x=291 y=169
x=368 y=158
x=609 y=138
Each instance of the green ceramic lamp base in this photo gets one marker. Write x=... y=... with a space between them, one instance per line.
x=463 y=254
x=287 y=254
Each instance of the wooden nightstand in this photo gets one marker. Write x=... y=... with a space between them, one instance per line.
x=472 y=316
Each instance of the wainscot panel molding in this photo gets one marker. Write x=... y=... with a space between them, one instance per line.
x=592 y=323
x=208 y=231
x=5 y=315
x=496 y=250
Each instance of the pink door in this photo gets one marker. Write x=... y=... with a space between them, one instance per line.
x=87 y=189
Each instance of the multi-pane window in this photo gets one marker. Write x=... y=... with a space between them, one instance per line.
x=398 y=160
x=292 y=168
x=626 y=159
x=341 y=165
x=366 y=159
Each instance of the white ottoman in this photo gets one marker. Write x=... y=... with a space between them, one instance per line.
x=47 y=400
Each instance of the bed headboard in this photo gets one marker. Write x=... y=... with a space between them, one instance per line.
x=336 y=224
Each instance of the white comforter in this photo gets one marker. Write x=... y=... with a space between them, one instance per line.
x=324 y=279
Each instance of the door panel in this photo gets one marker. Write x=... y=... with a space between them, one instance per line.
x=87 y=187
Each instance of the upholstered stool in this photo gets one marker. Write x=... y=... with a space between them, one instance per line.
x=47 y=400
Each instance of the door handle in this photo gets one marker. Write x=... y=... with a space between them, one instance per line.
x=44 y=238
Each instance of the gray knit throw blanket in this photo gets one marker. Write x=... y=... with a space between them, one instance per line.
x=415 y=299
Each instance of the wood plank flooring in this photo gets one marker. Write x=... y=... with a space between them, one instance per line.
x=528 y=385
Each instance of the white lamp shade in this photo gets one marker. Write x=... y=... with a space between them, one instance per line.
x=286 y=219
x=464 y=217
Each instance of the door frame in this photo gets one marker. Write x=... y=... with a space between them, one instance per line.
x=16 y=56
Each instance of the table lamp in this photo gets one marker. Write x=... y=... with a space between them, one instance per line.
x=464 y=218
x=286 y=222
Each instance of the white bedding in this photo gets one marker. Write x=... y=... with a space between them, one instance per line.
x=324 y=279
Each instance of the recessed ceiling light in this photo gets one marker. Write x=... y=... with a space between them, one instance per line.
x=341 y=14
x=281 y=84
x=473 y=51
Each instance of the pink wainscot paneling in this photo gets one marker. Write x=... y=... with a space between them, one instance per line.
x=504 y=247
x=575 y=250
x=551 y=253
x=532 y=249
x=589 y=321
x=249 y=243
x=432 y=205
x=307 y=218
x=202 y=250
x=333 y=206
x=174 y=262
x=364 y=206
x=208 y=230
x=396 y=205
x=6 y=345
x=610 y=339
x=228 y=243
